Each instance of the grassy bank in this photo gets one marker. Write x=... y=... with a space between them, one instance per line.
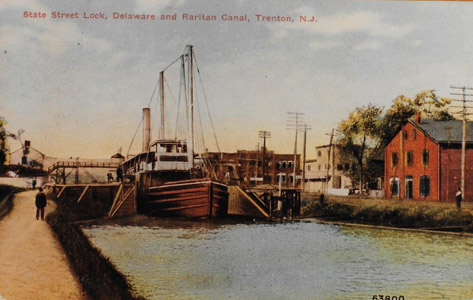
x=96 y=273
x=388 y=212
x=6 y=199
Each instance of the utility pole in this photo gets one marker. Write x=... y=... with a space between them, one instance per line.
x=328 y=161
x=264 y=135
x=306 y=127
x=448 y=128
x=464 y=114
x=295 y=121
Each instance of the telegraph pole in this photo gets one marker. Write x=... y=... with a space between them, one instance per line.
x=464 y=114
x=328 y=161
x=295 y=121
x=264 y=135
x=306 y=127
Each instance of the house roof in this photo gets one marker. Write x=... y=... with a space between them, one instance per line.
x=31 y=151
x=118 y=155
x=445 y=131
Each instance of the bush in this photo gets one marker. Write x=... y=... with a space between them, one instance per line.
x=6 y=199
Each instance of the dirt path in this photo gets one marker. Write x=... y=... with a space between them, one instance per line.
x=32 y=262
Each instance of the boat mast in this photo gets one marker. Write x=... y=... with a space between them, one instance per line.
x=191 y=99
x=161 y=75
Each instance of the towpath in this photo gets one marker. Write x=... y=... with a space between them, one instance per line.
x=32 y=262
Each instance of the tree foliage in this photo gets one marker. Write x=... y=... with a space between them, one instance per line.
x=3 y=144
x=367 y=130
x=427 y=103
x=360 y=140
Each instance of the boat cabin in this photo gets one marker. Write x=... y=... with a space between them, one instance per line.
x=164 y=155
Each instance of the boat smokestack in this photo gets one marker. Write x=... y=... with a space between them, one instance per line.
x=146 y=129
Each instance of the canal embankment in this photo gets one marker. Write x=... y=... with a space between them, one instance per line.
x=410 y=214
x=97 y=275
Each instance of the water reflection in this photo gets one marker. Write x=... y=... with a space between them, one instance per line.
x=188 y=260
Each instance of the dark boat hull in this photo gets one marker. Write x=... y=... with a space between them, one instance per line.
x=188 y=199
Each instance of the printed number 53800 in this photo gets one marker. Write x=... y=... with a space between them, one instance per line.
x=384 y=297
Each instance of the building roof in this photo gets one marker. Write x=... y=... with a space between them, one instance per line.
x=118 y=155
x=445 y=131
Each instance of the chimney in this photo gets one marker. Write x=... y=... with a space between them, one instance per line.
x=146 y=129
x=418 y=119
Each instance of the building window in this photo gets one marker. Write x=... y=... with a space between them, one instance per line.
x=291 y=179
x=284 y=164
x=410 y=158
x=278 y=165
x=308 y=168
x=339 y=167
x=424 y=186
x=289 y=164
x=319 y=153
x=281 y=178
x=394 y=159
x=414 y=134
x=406 y=135
x=425 y=157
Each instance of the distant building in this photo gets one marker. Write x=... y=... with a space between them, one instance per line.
x=326 y=173
x=423 y=161
x=246 y=167
x=30 y=156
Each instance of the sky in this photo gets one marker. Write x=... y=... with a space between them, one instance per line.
x=77 y=86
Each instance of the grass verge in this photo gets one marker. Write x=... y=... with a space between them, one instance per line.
x=403 y=214
x=97 y=275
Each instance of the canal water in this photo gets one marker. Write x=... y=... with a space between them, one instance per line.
x=185 y=260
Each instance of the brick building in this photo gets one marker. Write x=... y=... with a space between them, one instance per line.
x=423 y=161
x=246 y=167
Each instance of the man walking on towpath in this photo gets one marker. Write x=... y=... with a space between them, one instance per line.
x=458 y=197
x=40 y=204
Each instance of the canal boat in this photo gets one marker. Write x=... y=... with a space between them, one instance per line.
x=171 y=179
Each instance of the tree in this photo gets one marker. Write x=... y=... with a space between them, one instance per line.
x=359 y=141
x=3 y=145
x=427 y=103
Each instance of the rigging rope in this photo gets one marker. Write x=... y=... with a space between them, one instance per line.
x=181 y=72
x=149 y=103
x=205 y=160
x=207 y=104
x=133 y=139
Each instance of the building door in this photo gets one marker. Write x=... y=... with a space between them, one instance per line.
x=409 y=187
x=394 y=184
